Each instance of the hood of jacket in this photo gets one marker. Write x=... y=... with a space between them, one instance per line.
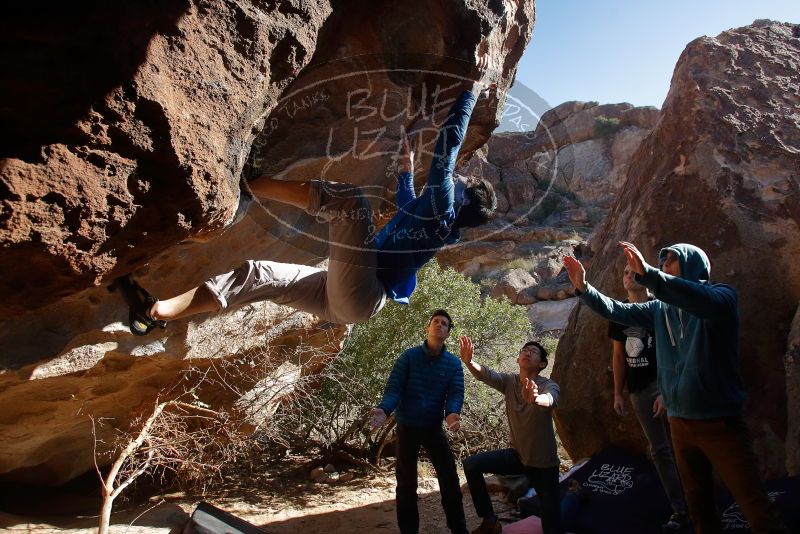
x=695 y=265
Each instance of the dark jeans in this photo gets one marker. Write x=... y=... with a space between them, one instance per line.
x=724 y=444
x=655 y=430
x=507 y=462
x=409 y=441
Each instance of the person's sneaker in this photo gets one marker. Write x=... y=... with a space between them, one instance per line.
x=489 y=525
x=676 y=522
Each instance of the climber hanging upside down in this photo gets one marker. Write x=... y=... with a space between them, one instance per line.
x=363 y=270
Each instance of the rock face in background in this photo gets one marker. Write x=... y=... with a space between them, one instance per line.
x=135 y=137
x=554 y=187
x=559 y=179
x=551 y=315
x=132 y=150
x=581 y=147
x=719 y=170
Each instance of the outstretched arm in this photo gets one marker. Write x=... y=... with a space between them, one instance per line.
x=576 y=273
x=703 y=300
x=547 y=397
x=455 y=400
x=480 y=372
x=467 y=348
x=630 y=314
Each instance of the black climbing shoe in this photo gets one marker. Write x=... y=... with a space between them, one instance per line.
x=139 y=304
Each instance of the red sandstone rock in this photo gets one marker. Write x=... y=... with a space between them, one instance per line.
x=140 y=137
x=511 y=284
x=136 y=140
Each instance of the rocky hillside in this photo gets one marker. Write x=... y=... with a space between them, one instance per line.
x=126 y=132
x=719 y=169
x=555 y=185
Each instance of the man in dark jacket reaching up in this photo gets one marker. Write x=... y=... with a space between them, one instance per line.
x=425 y=387
x=696 y=325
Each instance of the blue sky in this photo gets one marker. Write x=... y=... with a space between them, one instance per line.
x=625 y=50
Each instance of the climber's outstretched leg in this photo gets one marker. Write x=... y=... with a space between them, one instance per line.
x=349 y=292
x=284 y=191
x=197 y=300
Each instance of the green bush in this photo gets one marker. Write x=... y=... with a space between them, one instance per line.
x=603 y=126
x=556 y=197
x=550 y=344
x=336 y=413
x=550 y=204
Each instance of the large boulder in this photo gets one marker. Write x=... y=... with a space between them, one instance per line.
x=62 y=416
x=567 y=124
x=159 y=109
x=128 y=157
x=551 y=315
x=476 y=256
x=511 y=284
x=135 y=138
x=571 y=159
x=718 y=170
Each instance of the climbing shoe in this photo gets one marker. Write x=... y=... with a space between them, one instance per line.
x=140 y=302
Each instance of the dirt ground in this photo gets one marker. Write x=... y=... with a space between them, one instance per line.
x=280 y=500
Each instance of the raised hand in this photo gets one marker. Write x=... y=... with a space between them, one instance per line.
x=405 y=158
x=465 y=344
x=576 y=273
x=530 y=391
x=483 y=83
x=635 y=259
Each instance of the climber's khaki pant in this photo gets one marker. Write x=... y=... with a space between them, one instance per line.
x=347 y=292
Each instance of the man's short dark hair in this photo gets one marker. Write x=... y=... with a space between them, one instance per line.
x=542 y=351
x=482 y=203
x=442 y=313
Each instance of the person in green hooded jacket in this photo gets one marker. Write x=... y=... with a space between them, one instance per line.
x=696 y=325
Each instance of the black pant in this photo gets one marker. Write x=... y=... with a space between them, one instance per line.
x=507 y=462
x=409 y=441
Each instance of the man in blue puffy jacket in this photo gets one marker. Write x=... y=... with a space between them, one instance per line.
x=425 y=388
x=696 y=324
